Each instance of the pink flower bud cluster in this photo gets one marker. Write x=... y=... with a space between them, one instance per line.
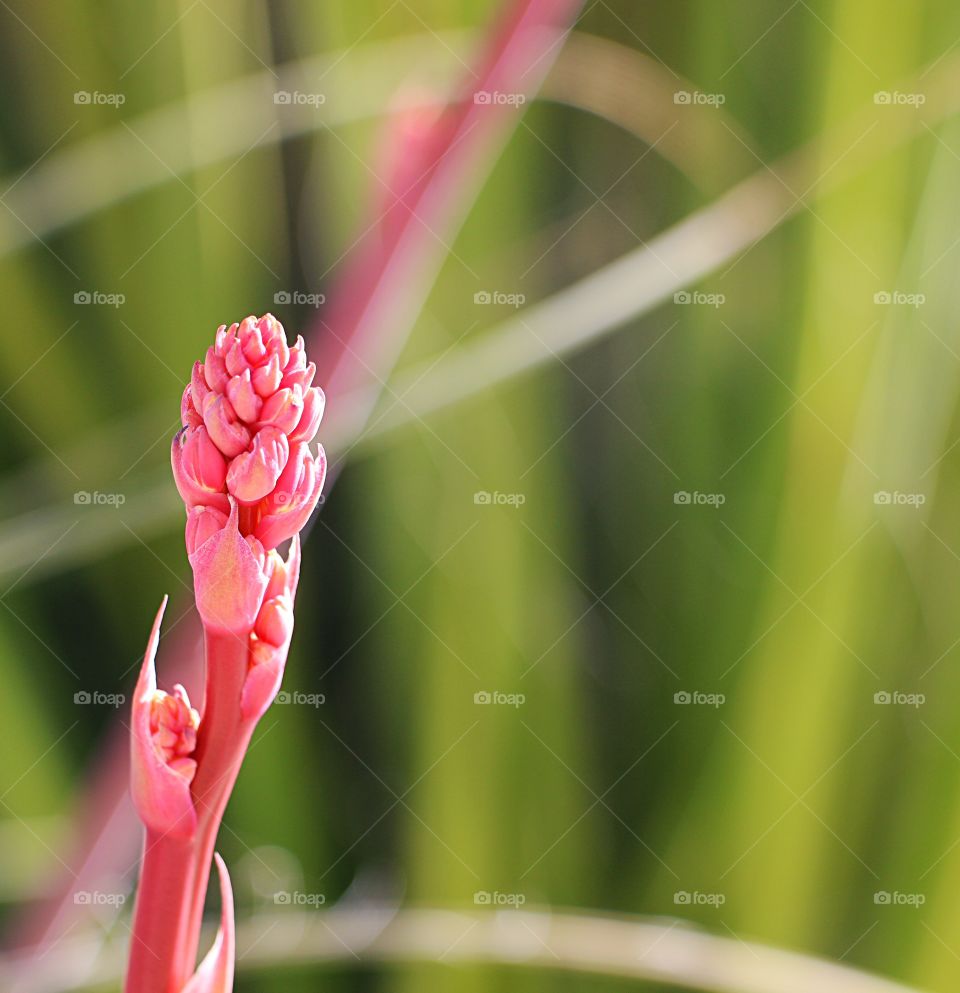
x=249 y=415
x=173 y=727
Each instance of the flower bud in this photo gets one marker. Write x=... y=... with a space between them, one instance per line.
x=275 y=622
x=283 y=409
x=254 y=474
x=267 y=378
x=243 y=398
x=228 y=433
x=299 y=375
x=294 y=498
x=313 y=403
x=199 y=469
x=215 y=370
x=189 y=415
x=164 y=729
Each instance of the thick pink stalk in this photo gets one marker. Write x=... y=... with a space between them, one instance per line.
x=221 y=746
x=158 y=949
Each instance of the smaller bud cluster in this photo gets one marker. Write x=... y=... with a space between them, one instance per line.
x=163 y=740
x=173 y=727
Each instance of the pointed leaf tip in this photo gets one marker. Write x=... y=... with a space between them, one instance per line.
x=215 y=974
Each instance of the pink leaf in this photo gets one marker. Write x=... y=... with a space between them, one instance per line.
x=215 y=974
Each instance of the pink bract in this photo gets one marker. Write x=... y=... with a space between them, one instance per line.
x=164 y=730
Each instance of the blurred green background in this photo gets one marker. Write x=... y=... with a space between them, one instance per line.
x=805 y=395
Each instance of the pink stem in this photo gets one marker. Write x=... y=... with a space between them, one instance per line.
x=159 y=924
x=221 y=745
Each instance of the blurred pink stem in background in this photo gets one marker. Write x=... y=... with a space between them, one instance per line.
x=432 y=179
